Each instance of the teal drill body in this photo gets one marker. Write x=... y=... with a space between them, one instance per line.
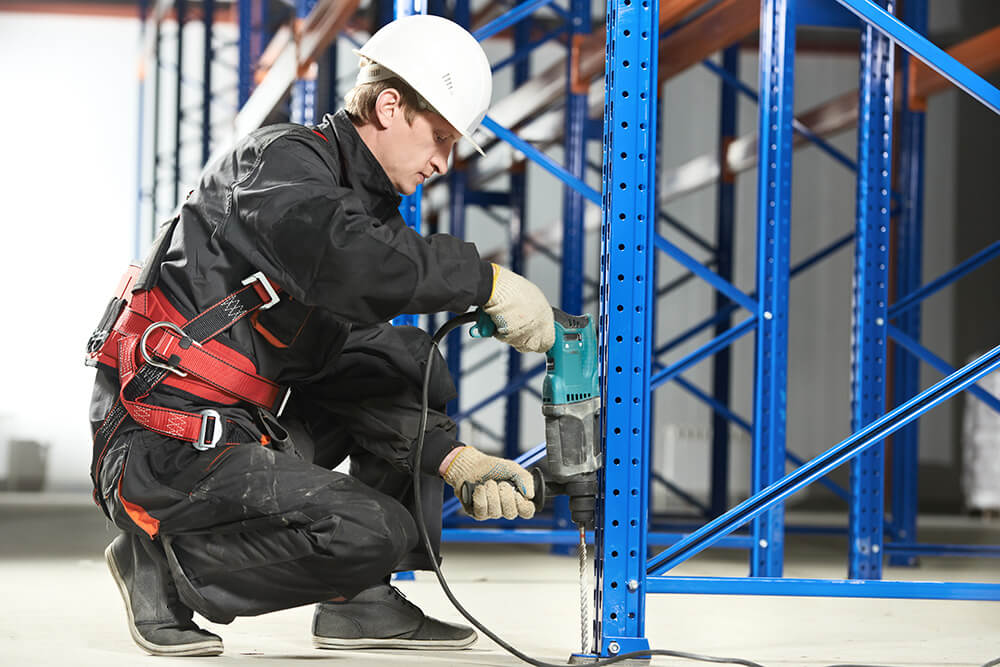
x=571 y=363
x=571 y=403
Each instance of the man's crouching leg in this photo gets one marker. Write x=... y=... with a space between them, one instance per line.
x=252 y=570
x=158 y=621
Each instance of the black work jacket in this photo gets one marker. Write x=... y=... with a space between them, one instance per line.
x=312 y=209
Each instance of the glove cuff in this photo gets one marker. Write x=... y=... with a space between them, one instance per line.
x=505 y=285
x=461 y=466
x=496 y=268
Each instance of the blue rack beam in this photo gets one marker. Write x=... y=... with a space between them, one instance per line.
x=840 y=588
x=696 y=267
x=914 y=298
x=542 y=160
x=919 y=352
x=798 y=126
x=918 y=45
x=566 y=537
x=713 y=319
x=914 y=550
x=501 y=23
x=706 y=350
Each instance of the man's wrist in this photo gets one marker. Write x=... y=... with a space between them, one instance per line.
x=443 y=468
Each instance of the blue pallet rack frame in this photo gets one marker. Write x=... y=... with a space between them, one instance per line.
x=862 y=449
x=820 y=12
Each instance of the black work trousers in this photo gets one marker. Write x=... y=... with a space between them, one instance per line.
x=249 y=529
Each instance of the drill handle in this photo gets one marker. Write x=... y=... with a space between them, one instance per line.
x=465 y=493
x=485 y=327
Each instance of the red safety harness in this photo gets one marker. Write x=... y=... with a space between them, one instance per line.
x=150 y=343
x=151 y=334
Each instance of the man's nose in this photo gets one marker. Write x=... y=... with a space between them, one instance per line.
x=439 y=161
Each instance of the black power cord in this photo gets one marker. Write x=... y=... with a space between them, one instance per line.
x=438 y=336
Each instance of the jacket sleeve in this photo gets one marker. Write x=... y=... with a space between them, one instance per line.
x=291 y=218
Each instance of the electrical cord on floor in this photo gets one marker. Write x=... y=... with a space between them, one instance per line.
x=438 y=336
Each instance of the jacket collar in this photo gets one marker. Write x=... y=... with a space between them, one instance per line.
x=360 y=170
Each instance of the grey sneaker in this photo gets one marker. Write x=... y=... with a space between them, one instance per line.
x=381 y=617
x=159 y=623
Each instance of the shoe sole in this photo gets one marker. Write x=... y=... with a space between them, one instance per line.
x=203 y=648
x=414 y=644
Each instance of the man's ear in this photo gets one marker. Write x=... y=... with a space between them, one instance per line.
x=387 y=107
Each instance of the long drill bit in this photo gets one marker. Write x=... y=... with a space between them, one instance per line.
x=584 y=597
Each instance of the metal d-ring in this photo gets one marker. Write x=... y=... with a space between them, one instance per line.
x=142 y=345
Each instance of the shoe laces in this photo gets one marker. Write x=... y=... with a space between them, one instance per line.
x=402 y=597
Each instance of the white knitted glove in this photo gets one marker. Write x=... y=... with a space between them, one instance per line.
x=521 y=312
x=502 y=487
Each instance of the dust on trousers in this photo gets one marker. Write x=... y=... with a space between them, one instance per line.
x=249 y=529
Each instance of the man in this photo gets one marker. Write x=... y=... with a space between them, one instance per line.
x=281 y=271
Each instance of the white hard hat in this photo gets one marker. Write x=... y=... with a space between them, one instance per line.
x=440 y=60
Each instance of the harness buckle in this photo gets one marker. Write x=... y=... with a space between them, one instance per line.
x=266 y=284
x=201 y=444
x=149 y=359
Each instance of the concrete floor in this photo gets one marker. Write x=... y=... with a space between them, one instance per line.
x=62 y=608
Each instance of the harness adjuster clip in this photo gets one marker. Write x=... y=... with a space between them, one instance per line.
x=201 y=444
x=186 y=341
x=272 y=295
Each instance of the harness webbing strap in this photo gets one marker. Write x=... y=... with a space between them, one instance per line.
x=200 y=329
x=195 y=360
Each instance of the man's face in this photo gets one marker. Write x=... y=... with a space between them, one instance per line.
x=411 y=154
